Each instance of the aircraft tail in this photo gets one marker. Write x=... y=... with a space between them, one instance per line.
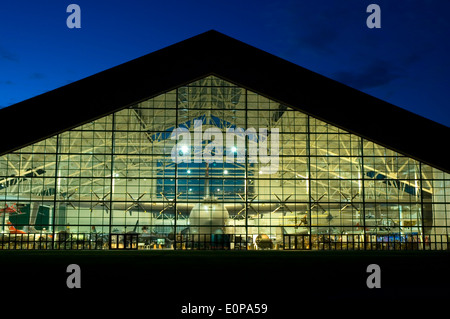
x=14 y=230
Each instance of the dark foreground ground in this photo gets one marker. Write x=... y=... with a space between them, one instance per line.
x=146 y=283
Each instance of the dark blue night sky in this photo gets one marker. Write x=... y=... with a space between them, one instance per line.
x=405 y=62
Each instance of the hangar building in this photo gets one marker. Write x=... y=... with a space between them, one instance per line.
x=213 y=144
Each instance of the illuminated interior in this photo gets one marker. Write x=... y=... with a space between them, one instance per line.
x=124 y=181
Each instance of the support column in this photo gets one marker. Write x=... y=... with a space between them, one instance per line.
x=440 y=210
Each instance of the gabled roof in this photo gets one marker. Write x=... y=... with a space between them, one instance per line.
x=215 y=53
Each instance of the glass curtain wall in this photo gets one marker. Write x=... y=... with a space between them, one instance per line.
x=211 y=165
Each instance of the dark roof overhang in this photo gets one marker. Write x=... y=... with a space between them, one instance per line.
x=215 y=53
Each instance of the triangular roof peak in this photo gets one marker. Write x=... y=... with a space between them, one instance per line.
x=215 y=53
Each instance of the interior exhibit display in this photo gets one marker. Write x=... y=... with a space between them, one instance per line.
x=231 y=149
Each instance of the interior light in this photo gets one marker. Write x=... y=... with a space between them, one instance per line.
x=225 y=172
x=234 y=149
x=184 y=149
x=188 y=171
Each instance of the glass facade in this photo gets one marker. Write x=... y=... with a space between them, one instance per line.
x=211 y=165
